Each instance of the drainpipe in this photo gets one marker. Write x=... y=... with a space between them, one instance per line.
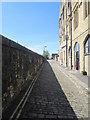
x=71 y=31
x=66 y=36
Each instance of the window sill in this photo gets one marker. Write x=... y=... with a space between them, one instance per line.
x=87 y=54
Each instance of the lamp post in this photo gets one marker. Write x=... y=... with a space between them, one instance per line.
x=44 y=47
x=44 y=51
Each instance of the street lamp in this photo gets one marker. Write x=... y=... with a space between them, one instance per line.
x=45 y=47
x=44 y=51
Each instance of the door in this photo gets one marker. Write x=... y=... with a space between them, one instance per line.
x=77 y=60
x=77 y=56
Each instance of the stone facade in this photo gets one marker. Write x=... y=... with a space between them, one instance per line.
x=55 y=56
x=19 y=66
x=74 y=21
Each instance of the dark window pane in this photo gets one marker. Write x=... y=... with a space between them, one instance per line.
x=63 y=13
x=70 y=52
x=68 y=4
x=86 y=45
x=89 y=49
x=89 y=7
x=85 y=9
x=89 y=41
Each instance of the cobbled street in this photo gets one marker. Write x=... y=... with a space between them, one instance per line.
x=55 y=96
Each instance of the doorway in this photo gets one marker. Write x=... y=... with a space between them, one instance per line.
x=77 y=60
x=77 y=57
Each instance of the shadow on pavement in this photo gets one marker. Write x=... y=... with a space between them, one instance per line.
x=47 y=99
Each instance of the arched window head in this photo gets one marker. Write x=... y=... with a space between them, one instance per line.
x=87 y=46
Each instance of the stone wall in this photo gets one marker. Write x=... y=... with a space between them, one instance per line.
x=0 y=79
x=19 y=66
x=79 y=36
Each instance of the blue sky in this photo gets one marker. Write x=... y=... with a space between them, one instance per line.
x=33 y=25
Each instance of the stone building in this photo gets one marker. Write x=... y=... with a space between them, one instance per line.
x=55 y=56
x=74 y=35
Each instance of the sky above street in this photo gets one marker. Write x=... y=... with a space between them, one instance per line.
x=33 y=25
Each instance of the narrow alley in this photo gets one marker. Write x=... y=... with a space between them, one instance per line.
x=54 y=96
x=45 y=60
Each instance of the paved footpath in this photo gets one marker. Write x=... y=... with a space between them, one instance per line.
x=54 y=96
x=77 y=96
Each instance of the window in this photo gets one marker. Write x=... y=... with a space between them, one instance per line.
x=87 y=46
x=70 y=51
x=68 y=5
x=89 y=7
x=86 y=9
x=63 y=13
x=77 y=51
x=75 y=18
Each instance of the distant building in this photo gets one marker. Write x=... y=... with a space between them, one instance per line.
x=55 y=56
x=77 y=26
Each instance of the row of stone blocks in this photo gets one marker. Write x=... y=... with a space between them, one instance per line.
x=19 y=66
